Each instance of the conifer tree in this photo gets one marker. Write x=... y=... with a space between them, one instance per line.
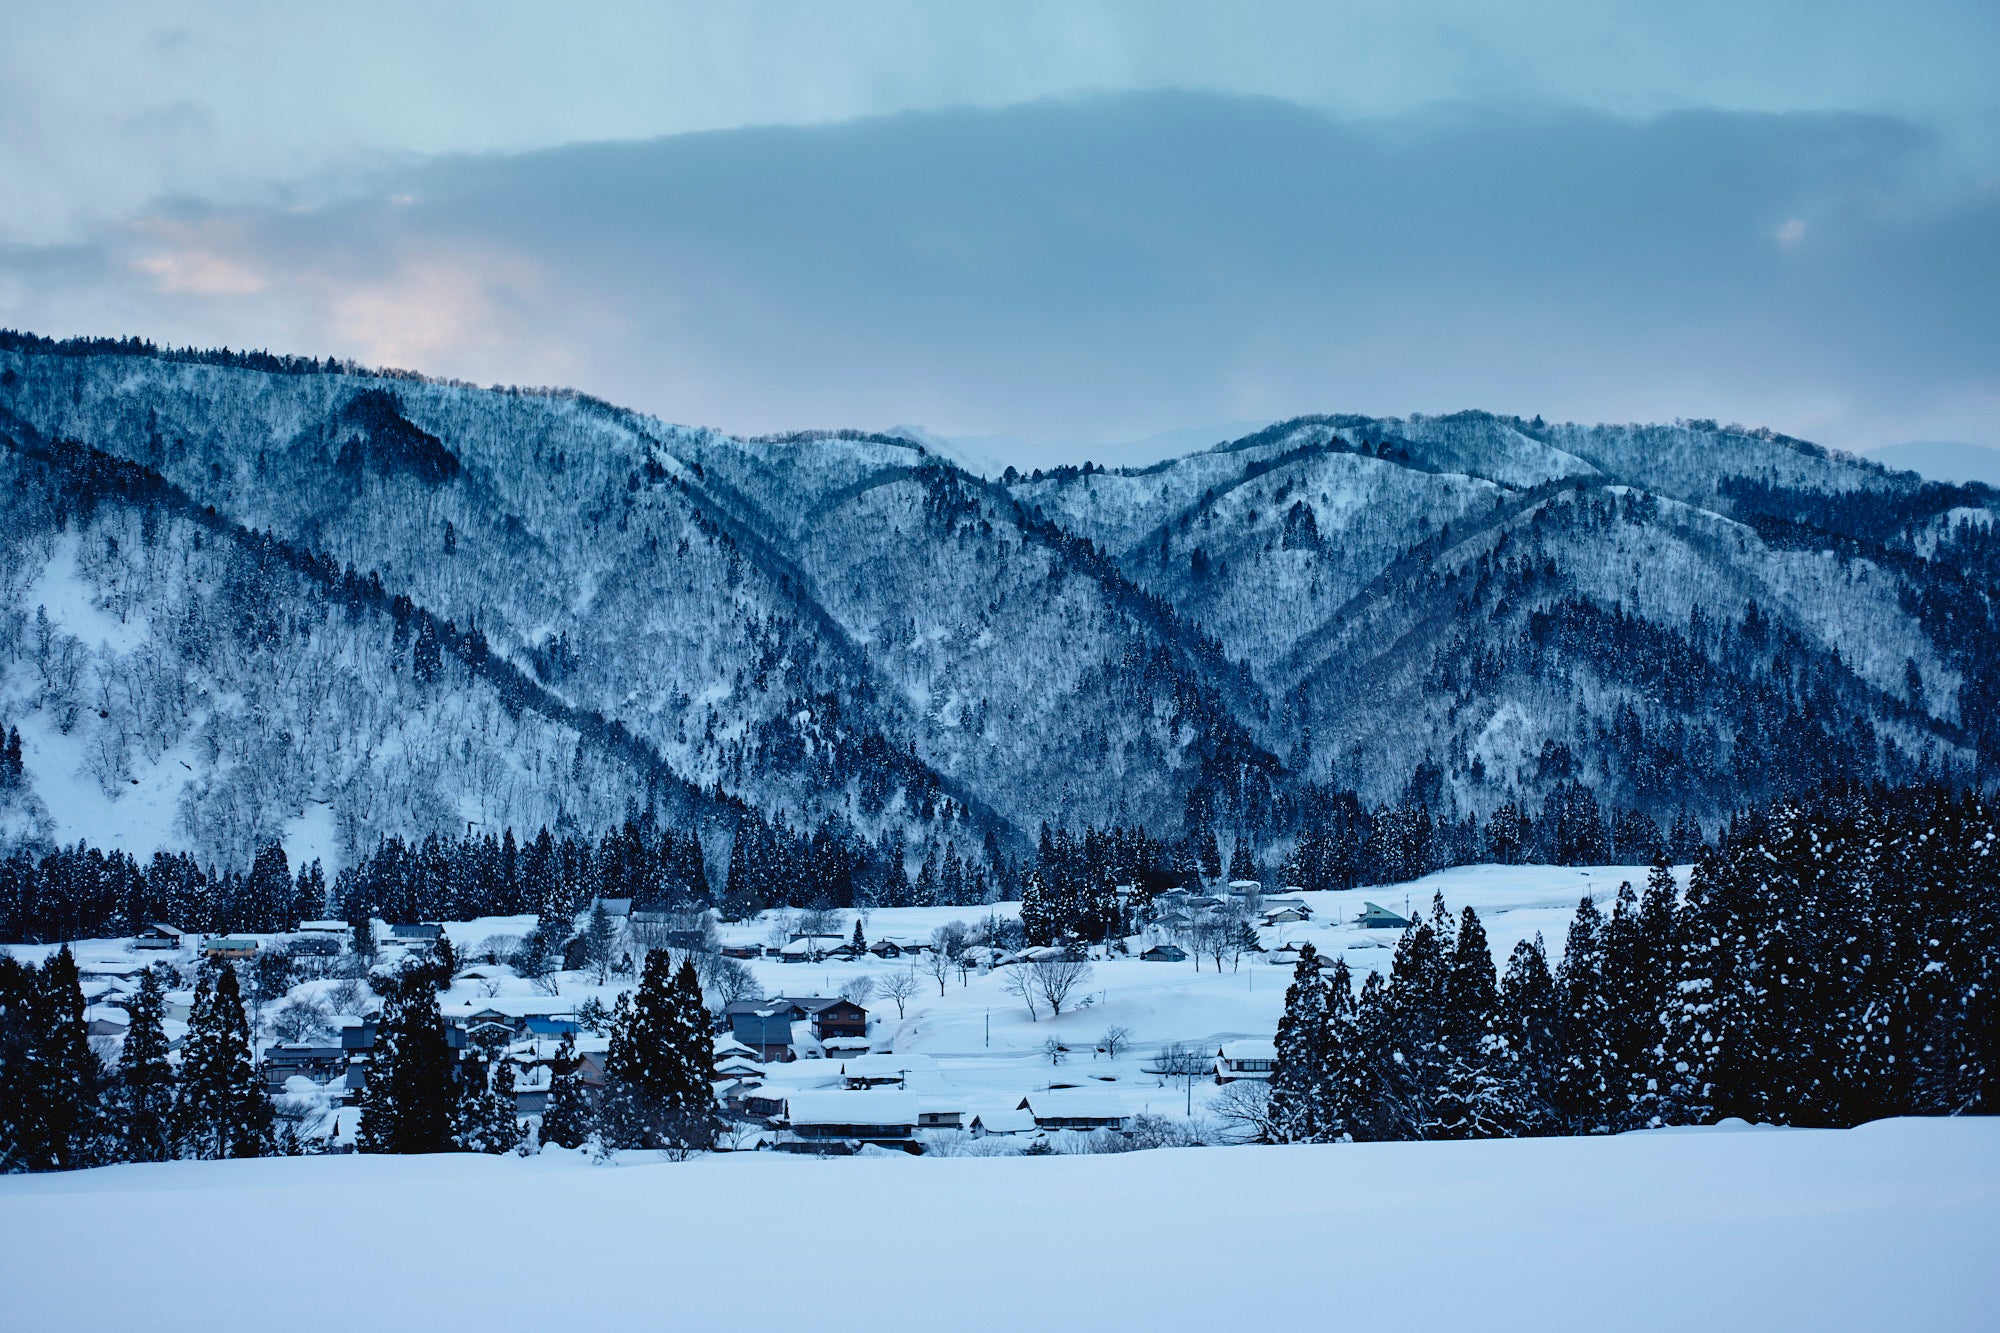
x=657 y=1089
x=1038 y=913
x=145 y=1098
x=566 y=1119
x=1478 y=1096
x=485 y=1119
x=65 y=1075
x=18 y=1019
x=222 y=1110
x=1583 y=1073
x=1528 y=1019
x=1302 y=1076
x=409 y=1102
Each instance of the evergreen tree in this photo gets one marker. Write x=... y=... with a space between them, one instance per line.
x=222 y=1110
x=1584 y=1070
x=1302 y=1076
x=566 y=1120
x=64 y=1125
x=1479 y=1096
x=485 y=1119
x=18 y=1026
x=1528 y=1019
x=1241 y=865
x=145 y=1098
x=1038 y=913
x=657 y=1090
x=409 y=1103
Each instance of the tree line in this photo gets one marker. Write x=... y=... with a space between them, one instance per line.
x=1832 y=961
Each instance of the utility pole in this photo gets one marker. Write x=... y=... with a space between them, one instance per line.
x=989 y=1027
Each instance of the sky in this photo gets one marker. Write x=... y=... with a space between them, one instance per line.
x=1055 y=231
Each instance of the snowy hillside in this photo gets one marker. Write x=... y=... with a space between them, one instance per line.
x=846 y=631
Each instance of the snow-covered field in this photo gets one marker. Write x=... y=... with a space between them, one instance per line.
x=1892 y=1226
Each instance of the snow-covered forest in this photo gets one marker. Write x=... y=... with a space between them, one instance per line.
x=251 y=599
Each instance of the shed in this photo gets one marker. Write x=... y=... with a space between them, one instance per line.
x=158 y=935
x=1074 y=1109
x=1164 y=953
x=1245 y=1059
x=1374 y=917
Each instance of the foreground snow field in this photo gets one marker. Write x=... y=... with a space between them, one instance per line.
x=1890 y=1226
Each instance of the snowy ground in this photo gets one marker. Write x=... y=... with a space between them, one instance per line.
x=1891 y=1226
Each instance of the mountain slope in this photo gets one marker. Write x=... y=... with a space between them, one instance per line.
x=847 y=628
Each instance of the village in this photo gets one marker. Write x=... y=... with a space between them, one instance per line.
x=914 y=1030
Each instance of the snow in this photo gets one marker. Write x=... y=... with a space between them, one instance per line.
x=1886 y=1226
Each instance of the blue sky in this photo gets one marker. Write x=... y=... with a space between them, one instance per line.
x=1059 y=228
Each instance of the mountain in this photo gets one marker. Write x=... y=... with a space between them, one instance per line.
x=498 y=606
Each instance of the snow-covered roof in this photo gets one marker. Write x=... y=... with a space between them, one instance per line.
x=1073 y=1102
x=1249 y=1050
x=886 y=1065
x=851 y=1108
x=1005 y=1122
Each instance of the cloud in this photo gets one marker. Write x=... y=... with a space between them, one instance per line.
x=1105 y=268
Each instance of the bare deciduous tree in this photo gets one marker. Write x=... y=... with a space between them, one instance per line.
x=858 y=989
x=1187 y=1064
x=900 y=986
x=1243 y=1106
x=1114 y=1040
x=1056 y=979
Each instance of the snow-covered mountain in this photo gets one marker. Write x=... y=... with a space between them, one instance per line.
x=240 y=593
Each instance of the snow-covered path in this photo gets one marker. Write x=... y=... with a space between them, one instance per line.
x=1891 y=1226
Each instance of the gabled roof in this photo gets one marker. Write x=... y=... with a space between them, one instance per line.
x=1249 y=1050
x=1074 y=1103
x=884 y=1109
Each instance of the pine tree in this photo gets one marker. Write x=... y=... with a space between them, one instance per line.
x=1241 y=864
x=1038 y=913
x=409 y=1102
x=485 y=1119
x=1478 y=1096
x=1528 y=1020
x=657 y=1089
x=1583 y=1072
x=566 y=1119
x=66 y=1077
x=1302 y=1076
x=222 y=1110
x=145 y=1099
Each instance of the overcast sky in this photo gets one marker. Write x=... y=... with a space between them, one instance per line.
x=1061 y=227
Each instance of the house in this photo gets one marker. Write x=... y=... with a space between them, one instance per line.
x=1164 y=953
x=742 y=951
x=416 y=933
x=618 y=908
x=1009 y=1123
x=818 y=1119
x=886 y=949
x=179 y=1004
x=876 y=1071
x=739 y=1067
x=834 y=1017
x=1245 y=888
x=763 y=1027
x=765 y=1104
x=551 y=1027
x=159 y=935
x=231 y=947
x=845 y=1048
x=321 y=1064
x=1286 y=916
x=102 y=1020
x=1074 y=1108
x=1380 y=918
x=940 y=1115
x=1245 y=1059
